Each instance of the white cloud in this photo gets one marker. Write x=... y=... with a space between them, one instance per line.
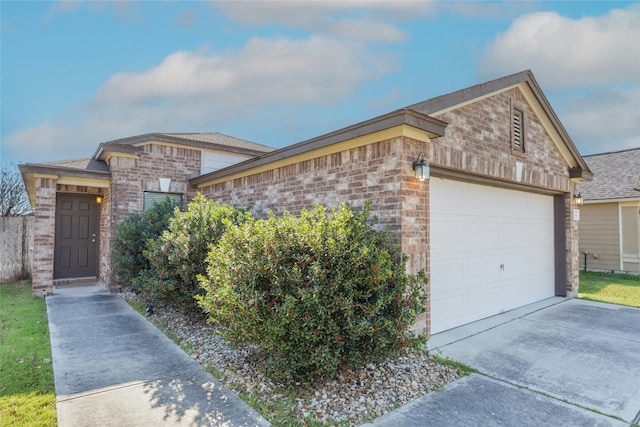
x=356 y=20
x=607 y=120
x=181 y=74
x=265 y=71
x=123 y=10
x=39 y=141
x=186 y=19
x=202 y=90
x=564 y=52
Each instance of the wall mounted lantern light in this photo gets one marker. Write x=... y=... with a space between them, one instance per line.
x=577 y=199
x=420 y=168
x=99 y=200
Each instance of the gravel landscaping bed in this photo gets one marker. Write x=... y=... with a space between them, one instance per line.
x=354 y=397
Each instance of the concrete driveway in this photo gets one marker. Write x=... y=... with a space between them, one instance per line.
x=558 y=362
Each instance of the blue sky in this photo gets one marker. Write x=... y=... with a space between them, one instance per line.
x=75 y=74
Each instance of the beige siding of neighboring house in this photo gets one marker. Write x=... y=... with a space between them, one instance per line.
x=631 y=238
x=599 y=236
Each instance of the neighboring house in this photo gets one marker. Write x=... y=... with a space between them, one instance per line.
x=491 y=224
x=610 y=217
x=77 y=203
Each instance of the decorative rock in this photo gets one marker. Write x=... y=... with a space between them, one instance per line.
x=353 y=398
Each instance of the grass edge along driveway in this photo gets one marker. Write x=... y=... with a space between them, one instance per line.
x=27 y=394
x=623 y=289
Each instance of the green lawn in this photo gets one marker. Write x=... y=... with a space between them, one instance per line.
x=607 y=287
x=27 y=395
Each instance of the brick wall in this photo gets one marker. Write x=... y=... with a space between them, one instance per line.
x=355 y=175
x=44 y=235
x=477 y=142
x=380 y=172
x=105 y=270
x=130 y=178
x=573 y=254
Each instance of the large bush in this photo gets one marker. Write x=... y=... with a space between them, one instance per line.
x=131 y=240
x=316 y=292
x=179 y=255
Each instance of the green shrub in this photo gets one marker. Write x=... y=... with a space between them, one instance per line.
x=131 y=239
x=178 y=256
x=317 y=292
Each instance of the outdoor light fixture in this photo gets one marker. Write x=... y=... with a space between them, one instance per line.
x=420 y=168
x=150 y=308
x=99 y=200
x=577 y=199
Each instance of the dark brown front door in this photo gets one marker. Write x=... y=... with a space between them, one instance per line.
x=76 y=251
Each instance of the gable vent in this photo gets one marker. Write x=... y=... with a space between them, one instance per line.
x=518 y=131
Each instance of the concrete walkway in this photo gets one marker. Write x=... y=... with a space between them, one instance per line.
x=559 y=362
x=114 y=368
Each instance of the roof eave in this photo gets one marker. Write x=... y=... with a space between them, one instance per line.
x=596 y=200
x=29 y=171
x=434 y=128
x=580 y=175
x=130 y=145
x=61 y=170
x=544 y=102
x=461 y=97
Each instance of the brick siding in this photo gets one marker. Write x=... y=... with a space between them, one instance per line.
x=477 y=142
x=43 y=236
x=130 y=178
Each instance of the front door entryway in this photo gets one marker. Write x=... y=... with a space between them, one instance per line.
x=76 y=247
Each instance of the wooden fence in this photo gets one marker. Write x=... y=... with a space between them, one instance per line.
x=16 y=244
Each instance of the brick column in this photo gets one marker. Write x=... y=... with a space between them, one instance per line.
x=105 y=270
x=414 y=220
x=44 y=234
x=573 y=255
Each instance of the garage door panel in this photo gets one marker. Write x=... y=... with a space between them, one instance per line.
x=537 y=207
x=512 y=234
x=482 y=267
x=492 y=253
x=480 y=233
x=484 y=300
x=450 y=270
x=448 y=233
x=539 y=231
x=514 y=210
x=480 y=202
x=516 y=263
x=446 y=307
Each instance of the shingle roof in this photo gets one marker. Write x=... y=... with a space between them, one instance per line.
x=412 y=115
x=89 y=164
x=616 y=175
x=460 y=97
x=220 y=139
x=211 y=140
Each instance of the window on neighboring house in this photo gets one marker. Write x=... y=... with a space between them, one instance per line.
x=150 y=198
x=518 y=130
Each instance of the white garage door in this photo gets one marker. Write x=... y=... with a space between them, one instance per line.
x=492 y=250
